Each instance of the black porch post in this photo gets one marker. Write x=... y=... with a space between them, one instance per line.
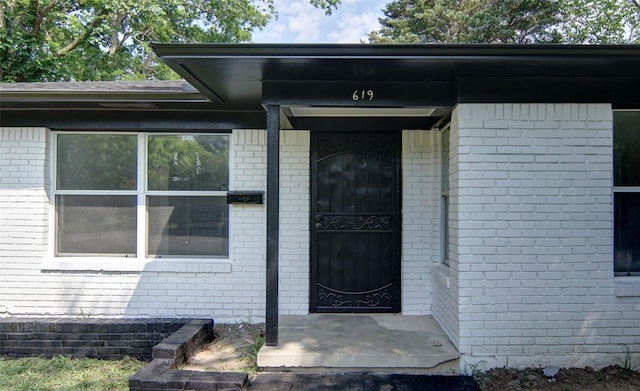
x=273 y=221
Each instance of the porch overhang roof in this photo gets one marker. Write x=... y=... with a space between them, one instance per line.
x=247 y=76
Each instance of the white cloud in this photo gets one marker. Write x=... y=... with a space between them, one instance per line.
x=304 y=21
x=299 y=22
x=355 y=26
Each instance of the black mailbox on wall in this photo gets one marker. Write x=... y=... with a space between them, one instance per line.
x=244 y=197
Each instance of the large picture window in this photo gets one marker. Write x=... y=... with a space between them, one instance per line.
x=139 y=195
x=626 y=200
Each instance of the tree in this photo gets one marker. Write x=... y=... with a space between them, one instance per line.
x=469 y=21
x=509 y=21
x=47 y=40
x=601 y=21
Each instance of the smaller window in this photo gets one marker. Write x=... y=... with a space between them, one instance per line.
x=95 y=194
x=188 y=163
x=626 y=232
x=444 y=190
x=445 y=230
x=626 y=200
x=188 y=226
x=444 y=161
x=96 y=224
x=97 y=162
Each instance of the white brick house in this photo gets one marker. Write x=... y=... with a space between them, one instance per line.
x=516 y=213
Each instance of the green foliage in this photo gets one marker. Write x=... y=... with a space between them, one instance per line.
x=468 y=21
x=24 y=49
x=56 y=40
x=601 y=21
x=64 y=373
x=478 y=374
x=250 y=355
x=627 y=361
x=510 y=21
x=327 y=5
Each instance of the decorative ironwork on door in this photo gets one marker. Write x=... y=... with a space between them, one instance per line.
x=355 y=223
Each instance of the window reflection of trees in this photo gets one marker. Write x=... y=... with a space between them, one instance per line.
x=97 y=162
x=188 y=163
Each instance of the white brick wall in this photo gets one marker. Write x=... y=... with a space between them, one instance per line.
x=24 y=208
x=420 y=218
x=294 y=222
x=445 y=293
x=533 y=210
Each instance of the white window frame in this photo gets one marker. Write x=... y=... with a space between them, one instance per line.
x=141 y=260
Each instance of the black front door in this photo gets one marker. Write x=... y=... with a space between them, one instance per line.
x=355 y=222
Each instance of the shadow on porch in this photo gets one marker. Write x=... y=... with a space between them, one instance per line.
x=348 y=342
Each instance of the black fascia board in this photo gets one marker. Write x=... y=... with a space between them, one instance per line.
x=114 y=91
x=113 y=120
x=236 y=73
x=401 y=51
x=617 y=91
x=98 y=97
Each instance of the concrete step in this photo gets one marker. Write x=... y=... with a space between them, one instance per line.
x=381 y=343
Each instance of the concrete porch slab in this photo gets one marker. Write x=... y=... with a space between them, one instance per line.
x=349 y=342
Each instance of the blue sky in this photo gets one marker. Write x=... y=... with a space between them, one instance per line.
x=299 y=22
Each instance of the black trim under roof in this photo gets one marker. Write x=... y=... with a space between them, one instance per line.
x=164 y=105
x=134 y=120
x=249 y=75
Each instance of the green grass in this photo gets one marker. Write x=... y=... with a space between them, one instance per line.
x=251 y=355
x=66 y=374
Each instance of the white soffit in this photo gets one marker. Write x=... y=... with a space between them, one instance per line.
x=308 y=111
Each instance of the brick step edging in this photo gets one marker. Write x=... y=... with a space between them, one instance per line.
x=175 y=350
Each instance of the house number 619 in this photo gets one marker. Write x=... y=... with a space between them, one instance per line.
x=362 y=95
